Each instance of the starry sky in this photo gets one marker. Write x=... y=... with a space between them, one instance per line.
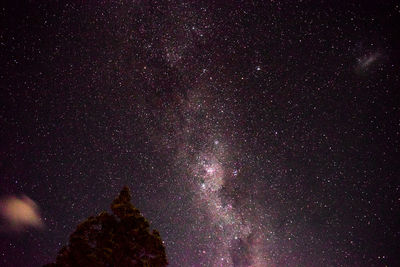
x=251 y=133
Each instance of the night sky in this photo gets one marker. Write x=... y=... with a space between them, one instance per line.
x=250 y=133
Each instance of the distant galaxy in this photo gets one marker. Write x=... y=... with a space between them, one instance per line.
x=250 y=133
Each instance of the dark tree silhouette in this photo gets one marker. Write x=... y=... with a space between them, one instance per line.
x=122 y=239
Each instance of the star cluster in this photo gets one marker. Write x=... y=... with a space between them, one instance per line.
x=251 y=133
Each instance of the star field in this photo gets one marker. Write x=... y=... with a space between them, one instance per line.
x=250 y=133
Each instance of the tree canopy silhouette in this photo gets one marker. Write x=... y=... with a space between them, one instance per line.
x=120 y=239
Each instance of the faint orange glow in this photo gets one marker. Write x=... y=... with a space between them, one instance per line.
x=20 y=213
